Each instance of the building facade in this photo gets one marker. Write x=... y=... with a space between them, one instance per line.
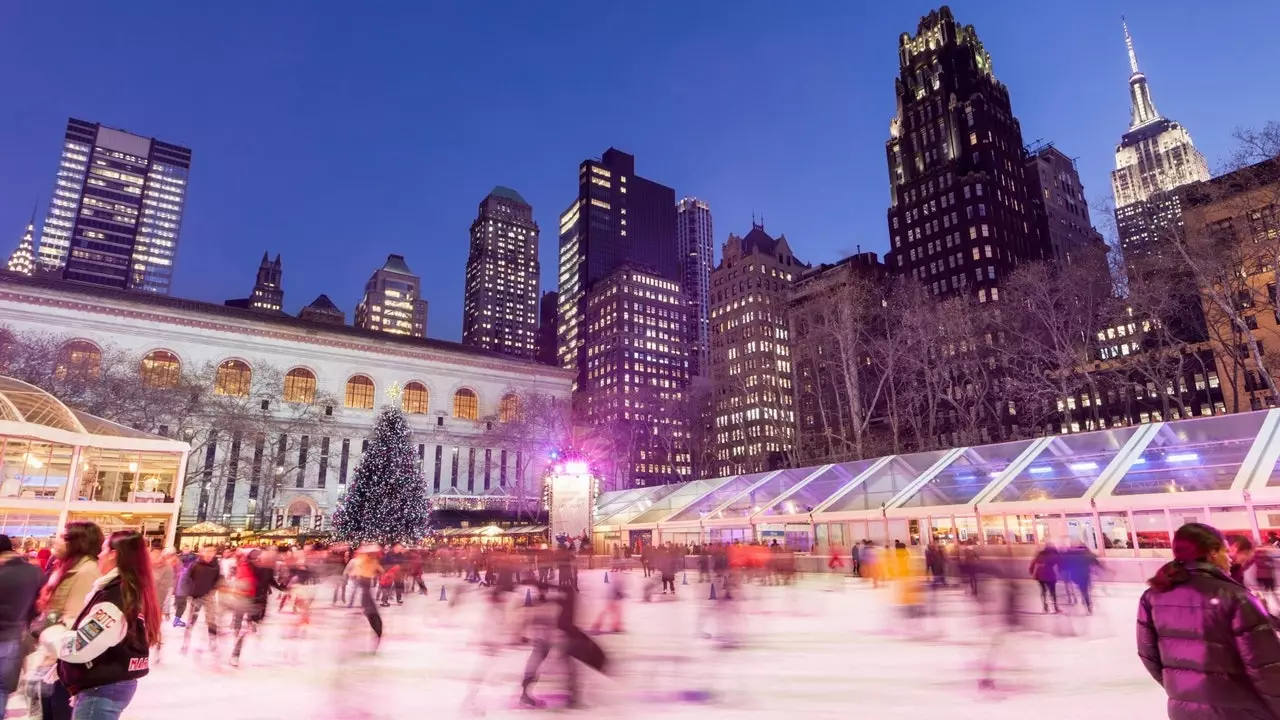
x=323 y=310
x=269 y=468
x=392 y=301
x=116 y=210
x=23 y=259
x=1059 y=208
x=618 y=217
x=548 y=325
x=694 y=239
x=637 y=376
x=1153 y=159
x=500 y=308
x=959 y=219
x=752 y=396
x=268 y=288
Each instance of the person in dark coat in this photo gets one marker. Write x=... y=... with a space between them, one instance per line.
x=1044 y=568
x=20 y=583
x=1205 y=638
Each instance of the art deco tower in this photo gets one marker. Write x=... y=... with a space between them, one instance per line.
x=23 y=259
x=500 y=306
x=959 y=215
x=1154 y=158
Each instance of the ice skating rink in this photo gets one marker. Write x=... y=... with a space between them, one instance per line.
x=821 y=649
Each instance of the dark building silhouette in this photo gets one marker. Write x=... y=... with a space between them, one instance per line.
x=500 y=306
x=268 y=292
x=618 y=217
x=959 y=218
x=694 y=239
x=322 y=310
x=1060 y=212
x=548 y=319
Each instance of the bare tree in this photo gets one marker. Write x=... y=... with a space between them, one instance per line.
x=539 y=426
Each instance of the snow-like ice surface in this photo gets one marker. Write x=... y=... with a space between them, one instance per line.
x=822 y=649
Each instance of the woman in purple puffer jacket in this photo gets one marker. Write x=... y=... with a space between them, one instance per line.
x=1205 y=638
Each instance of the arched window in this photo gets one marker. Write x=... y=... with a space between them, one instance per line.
x=359 y=393
x=509 y=408
x=415 y=398
x=300 y=386
x=466 y=404
x=78 y=358
x=233 y=379
x=161 y=369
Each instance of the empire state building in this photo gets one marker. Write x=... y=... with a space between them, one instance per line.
x=1154 y=158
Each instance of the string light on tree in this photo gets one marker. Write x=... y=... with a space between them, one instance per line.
x=387 y=501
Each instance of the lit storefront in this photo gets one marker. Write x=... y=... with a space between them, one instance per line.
x=59 y=465
x=1121 y=492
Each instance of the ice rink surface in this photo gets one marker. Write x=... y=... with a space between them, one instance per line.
x=821 y=649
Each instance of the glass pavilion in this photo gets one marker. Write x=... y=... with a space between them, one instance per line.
x=1121 y=491
x=58 y=465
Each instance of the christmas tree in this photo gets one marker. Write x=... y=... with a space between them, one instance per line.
x=387 y=500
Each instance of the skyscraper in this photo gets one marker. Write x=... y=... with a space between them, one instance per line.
x=116 y=209
x=752 y=398
x=23 y=258
x=1059 y=209
x=618 y=217
x=322 y=310
x=636 y=381
x=268 y=288
x=1154 y=158
x=500 y=308
x=392 y=301
x=693 y=237
x=548 y=320
x=959 y=218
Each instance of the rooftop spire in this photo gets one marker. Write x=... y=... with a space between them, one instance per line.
x=1144 y=109
x=1128 y=43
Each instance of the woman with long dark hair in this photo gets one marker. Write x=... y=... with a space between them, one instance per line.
x=104 y=652
x=75 y=554
x=1205 y=638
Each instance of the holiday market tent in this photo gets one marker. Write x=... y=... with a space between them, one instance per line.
x=1121 y=491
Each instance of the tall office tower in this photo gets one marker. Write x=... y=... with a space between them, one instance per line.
x=618 y=217
x=23 y=258
x=116 y=209
x=500 y=308
x=753 y=408
x=322 y=310
x=636 y=380
x=959 y=217
x=1154 y=158
x=268 y=288
x=392 y=301
x=693 y=237
x=548 y=319
x=1059 y=208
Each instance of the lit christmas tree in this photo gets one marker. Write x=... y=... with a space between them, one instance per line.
x=387 y=500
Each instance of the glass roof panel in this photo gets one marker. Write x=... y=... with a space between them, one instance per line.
x=1189 y=455
x=623 y=512
x=967 y=475
x=675 y=501
x=816 y=491
x=722 y=495
x=882 y=485
x=1067 y=467
x=750 y=503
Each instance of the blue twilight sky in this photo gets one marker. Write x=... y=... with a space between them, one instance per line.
x=335 y=132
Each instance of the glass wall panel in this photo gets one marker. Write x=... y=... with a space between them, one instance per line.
x=1233 y=520
x=752 y=502
x=886 y=482
x=34 y=470
x=1115 y=531
x=677 y=500
x=1067 y=467
x=964 y=477
x=1081 y=531
x=28 y=530
x=1030 y=529
x=726 y=492
x=1268 y=517
x=628 y=510
x=993 y=530
x=1152 y=528
x=816 y=491
x=1189 y=455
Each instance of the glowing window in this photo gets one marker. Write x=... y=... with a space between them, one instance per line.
x=466 y=405
x=233 y=379
x=415 y=399
x=160 y=369
x=300 y=386
x=359 y=393
x=509 y=408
